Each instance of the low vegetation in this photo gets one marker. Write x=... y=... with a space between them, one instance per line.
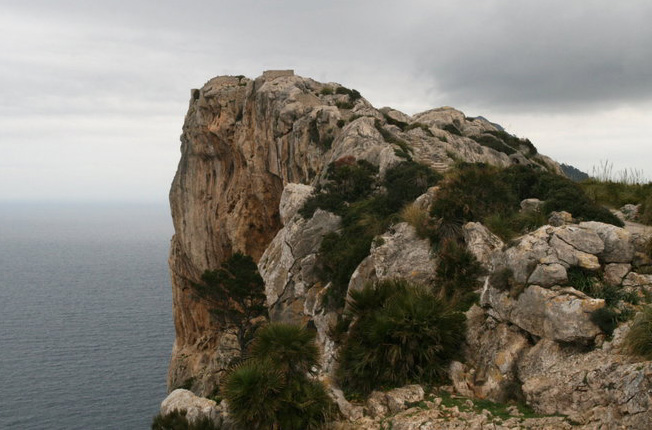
x=403 y=333
x=367 y=206
x=176 y=420
x=273 y=388
x=615 y=298
x=639 y=338
x=479 y=192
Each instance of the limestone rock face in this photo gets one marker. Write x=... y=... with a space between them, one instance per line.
x=399 y=253
x=618 y=245
x=561 y=314
x=243 y=141
x=591 y=388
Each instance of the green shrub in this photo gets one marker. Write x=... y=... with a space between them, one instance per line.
x=639 y=338
x=341 y=123
x=403 y=334
x=492 y=142
x=272 y=389
x=326 y=91
x=389 y=137
x=457 y=274
x=452 y=129
x=344 y=105
x=477 y=192
x=364 y=215
x=605 y=318
x=420 y=125
x=353 y=94
x=472 y=193
x=176 y=420
x=236 y=295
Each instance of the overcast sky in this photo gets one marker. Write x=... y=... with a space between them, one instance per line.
x=94 y=93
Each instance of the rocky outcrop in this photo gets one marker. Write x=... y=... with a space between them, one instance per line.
x=196 y=408
x=398 y=253
x=243 y=142
x=253 y=151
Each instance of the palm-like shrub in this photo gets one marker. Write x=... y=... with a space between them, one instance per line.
x=639 y=337
x=289 y=347
x=253 y=390
x=272 y=389
x=404 y=333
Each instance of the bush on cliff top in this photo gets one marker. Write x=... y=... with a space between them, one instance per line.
x=479 y=192
x=403 y=333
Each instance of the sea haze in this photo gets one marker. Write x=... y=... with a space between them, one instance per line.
x=86 y=315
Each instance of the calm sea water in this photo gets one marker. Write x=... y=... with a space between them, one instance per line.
x=85 y=315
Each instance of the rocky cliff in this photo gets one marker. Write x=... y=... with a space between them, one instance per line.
x=254 y=151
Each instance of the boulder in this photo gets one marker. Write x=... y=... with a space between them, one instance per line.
x=614 y=273
x=292 y=199
x=560 y=314
x=494 y=349
x=398 y=253
x=618 y=246
x=557 y=219
x=596 y=388
x=532 y=205
x=381 y=403
x=547 y=275
x=483 y=244
x=582 y=239
x=196 y=407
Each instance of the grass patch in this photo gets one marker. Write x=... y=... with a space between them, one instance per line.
x=639 y=338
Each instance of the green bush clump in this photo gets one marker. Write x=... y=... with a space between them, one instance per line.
x=326 y=91
x=365 y=214
x=452 y=129
x=272 y=388
x=176 y=420
x=236 y=295
x=494 y=143
x=403 y=333
x=404 y=148
x=348 y=181
x=474 y=192
x=509 y=139
x=638 y=340
x=605 y=318
x=344 y=105
x=420 y=125
x=341 y=123
x=457 y=274
x=353 y=94
x=478 y=192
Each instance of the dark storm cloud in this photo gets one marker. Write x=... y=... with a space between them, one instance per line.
x=542 y=55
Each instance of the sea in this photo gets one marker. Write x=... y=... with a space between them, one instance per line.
x=86 y=325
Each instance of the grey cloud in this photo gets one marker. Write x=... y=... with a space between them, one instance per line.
x=543 y=55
